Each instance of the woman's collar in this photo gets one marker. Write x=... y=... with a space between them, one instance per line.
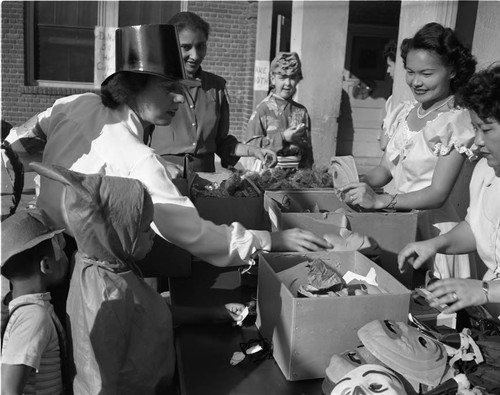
x=132 y=121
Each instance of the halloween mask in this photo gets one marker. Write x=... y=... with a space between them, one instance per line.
x=406 y=350
x=369 y=379
x=342 y=364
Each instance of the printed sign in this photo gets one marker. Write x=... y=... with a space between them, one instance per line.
x=104 y=53
x=261 y=79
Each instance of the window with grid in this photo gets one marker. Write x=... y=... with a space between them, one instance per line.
x=61 y=35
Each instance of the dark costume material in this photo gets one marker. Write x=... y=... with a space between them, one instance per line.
x=200 y=127
x=121 y=328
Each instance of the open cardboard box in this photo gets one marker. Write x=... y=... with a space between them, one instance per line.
x=248 y=211
x=306 y=332
x=321 y=211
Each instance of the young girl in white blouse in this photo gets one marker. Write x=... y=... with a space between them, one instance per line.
x=429 y=140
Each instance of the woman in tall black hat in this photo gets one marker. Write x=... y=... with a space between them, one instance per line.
x=108 y=134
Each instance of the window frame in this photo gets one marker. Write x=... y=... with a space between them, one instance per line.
x=107 y=15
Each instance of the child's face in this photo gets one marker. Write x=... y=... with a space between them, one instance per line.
x=427 y=76
x=284 y=86
x=145 y=237
x=488 y=140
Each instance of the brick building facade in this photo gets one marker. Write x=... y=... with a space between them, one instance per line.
x=231 y=54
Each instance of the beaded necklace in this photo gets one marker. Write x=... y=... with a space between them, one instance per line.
x=431 y=109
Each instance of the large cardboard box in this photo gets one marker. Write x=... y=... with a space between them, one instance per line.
x=314 y=210
x=248 y=211
x=306 y=332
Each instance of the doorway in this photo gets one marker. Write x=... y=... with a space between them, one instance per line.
x=366 y=85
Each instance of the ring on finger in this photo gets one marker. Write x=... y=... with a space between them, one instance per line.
x=454 y=296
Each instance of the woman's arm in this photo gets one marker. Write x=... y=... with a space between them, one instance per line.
x=262 y=154
x=460 y=293
x=459 y=240
x=225 y=143
x=445 y=174
x=378 y=176
x=14 y=378
x=178 y=221
x=443 y=179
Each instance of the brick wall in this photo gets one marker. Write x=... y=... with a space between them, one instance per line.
x=231 y=55
x=21 y=102
x=231 y=52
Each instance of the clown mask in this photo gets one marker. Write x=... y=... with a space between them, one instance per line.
x=369 y=379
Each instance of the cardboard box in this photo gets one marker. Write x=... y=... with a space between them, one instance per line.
x=306 y=332
x=166 y=259
x=391 y=230
x=434 y=317
x=248 y=211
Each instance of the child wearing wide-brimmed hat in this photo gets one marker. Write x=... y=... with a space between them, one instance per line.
x=33 y=343
x=279 y=122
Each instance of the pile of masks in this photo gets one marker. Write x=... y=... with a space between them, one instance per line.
x=397 y=359
x=324 y=281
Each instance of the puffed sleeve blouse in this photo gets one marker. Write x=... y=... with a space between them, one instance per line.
x=413 y=155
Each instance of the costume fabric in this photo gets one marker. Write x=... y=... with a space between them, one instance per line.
x=271 y=118
x=121 y=328
x=286 y=64
x=200 y=127
x=413 y=156
x=483 y=217
x=79 y=133
x=31 y=339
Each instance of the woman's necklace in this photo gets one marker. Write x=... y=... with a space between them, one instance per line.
x=431 y=109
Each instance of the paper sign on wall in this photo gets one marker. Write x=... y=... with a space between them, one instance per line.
x=261 y=79
x=104 y=53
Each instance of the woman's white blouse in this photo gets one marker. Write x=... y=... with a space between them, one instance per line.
x=483 y=216
x=81 y=134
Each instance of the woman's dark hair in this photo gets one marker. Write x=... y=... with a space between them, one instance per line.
x=122 y=86
x=390 y=50
x=189 y=20
x=482 y=93
x=444 y=42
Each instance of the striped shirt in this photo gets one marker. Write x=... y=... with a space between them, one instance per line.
x=31 y=339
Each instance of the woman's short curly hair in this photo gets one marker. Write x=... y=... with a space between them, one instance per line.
x=444 y=42
x=121 y=87
x=190 y=20
x=482 y=93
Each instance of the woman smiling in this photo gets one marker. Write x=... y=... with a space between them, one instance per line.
x=429 y=141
